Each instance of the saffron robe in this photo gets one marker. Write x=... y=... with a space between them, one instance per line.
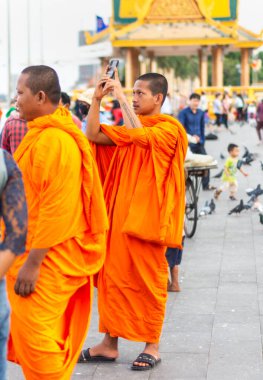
x=66 y=214
x=144 y=191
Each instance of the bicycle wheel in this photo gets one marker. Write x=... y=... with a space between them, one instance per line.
x=191 y=217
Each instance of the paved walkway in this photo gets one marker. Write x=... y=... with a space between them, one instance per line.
x=213 y=327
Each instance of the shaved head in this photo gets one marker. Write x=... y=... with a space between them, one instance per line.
x=43 y=78
x=157 y=83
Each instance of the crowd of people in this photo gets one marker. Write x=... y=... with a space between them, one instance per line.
x=96 y=197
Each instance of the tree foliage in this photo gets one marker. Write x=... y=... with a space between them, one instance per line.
x=184 y=67
x=187 y=67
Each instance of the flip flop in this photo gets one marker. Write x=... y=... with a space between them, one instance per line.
x=147 y=359
x=85 y=357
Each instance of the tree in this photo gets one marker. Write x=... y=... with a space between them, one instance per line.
x=184 y=67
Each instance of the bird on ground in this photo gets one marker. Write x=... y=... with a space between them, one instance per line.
x=222 y=156
x=205 y=210
x=261 y=165
x=212 y=206
x=239 y=208
x=261 y=218
x=248 y=159
x=251 y=201
x=219 y=175
x=246 y=153
x=257 y=191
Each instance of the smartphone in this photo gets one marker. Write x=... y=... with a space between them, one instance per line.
x=113 y=64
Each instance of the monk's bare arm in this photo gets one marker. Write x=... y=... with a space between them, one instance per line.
x=93 y=131
x=29 y=273
x=131 y=121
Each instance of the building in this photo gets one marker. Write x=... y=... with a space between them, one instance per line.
x=141 y=30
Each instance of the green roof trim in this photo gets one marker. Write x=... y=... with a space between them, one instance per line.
x=117 y=18
x=233 y=12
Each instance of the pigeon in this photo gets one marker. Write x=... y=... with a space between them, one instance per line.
x=239 y=208
x=205 y=210
x=212 y=206
x=219 y=175
x=252 y=201
x=248 y=159
x=222 y=156
x=246 y=153
x=261 y=218
x=261 y=165
x=257 y=191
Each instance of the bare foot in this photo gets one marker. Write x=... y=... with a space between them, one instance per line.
x=174 y=288
x=108 y=347
x=152 y=349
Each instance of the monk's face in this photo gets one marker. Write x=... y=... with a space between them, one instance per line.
x=143 y=101
x=27 y=103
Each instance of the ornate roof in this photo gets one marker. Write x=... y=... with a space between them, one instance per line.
x=173 y=23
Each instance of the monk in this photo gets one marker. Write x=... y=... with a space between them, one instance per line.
x=145 y=198
x=50 y=286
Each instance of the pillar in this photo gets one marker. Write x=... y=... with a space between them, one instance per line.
x=203 y=67
x=217 y=66
x=132 y=67
x=245 y=68
x=153 y=67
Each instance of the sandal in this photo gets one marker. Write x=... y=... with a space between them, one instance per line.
x=147 y=359
x=86 y=357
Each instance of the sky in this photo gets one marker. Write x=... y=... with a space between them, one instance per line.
x=54 y=26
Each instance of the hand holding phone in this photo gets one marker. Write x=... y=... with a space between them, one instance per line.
x=113 y=64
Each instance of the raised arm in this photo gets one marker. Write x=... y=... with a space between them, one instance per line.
x=93 y=130
x=131 y=121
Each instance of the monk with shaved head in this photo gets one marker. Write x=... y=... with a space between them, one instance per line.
x=145 y=198
x=50 y=286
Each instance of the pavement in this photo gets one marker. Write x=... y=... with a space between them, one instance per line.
x=213 y=328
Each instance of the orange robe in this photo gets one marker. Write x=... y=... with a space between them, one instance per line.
x=66 y=214
x=144 y=192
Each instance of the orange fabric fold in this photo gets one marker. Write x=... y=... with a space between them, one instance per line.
x=144 y=191
x=67 y=214
x=161 y=178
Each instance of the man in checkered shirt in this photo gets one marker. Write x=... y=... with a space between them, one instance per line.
x=13 y=132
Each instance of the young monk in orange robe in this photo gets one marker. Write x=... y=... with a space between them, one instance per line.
x=50 y=286
x=144 y=191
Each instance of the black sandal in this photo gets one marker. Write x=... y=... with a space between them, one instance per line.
x=147 y=359
x=86 y=357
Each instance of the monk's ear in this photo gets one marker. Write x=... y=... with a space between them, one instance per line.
x=159 y=98
x=41 y=97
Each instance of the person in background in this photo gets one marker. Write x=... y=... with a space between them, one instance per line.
x=217 y=107
x=12 y=108
x=193 y=119
x=66 y=101
x=203 y=102
x=13 y=133
x=239 y=104
x=229 y=177
x=84 y=101
x=259 y=127
x=167 y=107
x=225 y=109
x=174 y=259
x=117 y=113
x=13 y=211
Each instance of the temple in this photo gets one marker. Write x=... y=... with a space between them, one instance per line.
x=151 y=28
